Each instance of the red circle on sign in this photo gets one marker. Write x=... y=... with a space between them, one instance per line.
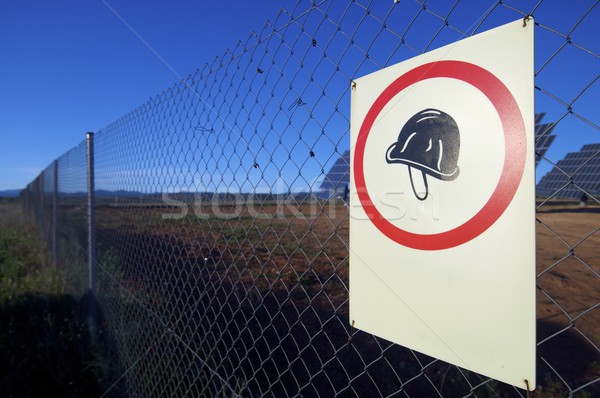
x=514 y=159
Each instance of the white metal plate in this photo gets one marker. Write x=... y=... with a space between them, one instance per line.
x=451 y=276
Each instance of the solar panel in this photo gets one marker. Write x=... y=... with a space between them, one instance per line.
x=575 y=175
x=543 y=136
x=336 y=181
x=539 y=117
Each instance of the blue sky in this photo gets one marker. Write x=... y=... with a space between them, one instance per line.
x=72 y=66
x=69 y=67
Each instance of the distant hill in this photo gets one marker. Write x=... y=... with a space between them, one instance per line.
x=10 y=193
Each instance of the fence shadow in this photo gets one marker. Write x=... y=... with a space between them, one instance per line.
x=571 y=356
x=46 y=348
x=274 y=337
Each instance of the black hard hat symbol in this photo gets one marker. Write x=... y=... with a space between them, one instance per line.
x=429 y=142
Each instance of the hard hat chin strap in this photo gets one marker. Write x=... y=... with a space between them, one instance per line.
x=412 y=184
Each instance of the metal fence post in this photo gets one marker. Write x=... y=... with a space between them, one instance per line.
x=42 y=208
x=55 y=215
x=91 y=223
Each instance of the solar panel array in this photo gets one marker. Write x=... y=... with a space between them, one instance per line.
x=574 y=176
x=543 y=136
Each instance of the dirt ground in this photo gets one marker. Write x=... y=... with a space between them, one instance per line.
x=568 y=266
x=568 y=300
x=298 y=256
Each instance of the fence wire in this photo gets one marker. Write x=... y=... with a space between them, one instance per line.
x=221 y=267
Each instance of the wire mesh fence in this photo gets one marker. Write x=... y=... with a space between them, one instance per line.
x=221 y=241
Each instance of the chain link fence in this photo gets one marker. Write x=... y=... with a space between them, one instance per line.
x=221 y=266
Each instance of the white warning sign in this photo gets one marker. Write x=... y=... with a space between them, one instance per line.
x=442 y=228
